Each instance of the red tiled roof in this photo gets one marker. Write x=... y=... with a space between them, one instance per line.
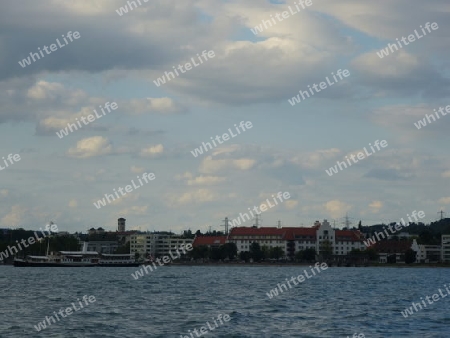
x=349 y=235
x=209 y=240
x=243 y=231
x=305 y=231
x=284 y=233
x=290 y=234
x=392 y=246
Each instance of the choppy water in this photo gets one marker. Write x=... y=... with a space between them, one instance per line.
x=168 y=302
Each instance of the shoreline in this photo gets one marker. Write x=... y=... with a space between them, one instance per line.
x=373 y=265
x=264 y=264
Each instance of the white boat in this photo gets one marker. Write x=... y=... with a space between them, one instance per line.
x=77 y=259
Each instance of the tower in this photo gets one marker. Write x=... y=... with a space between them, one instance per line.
x=121 y=224
x=226 y=225
x=257 y=219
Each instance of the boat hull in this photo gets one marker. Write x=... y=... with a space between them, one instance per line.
x=59 y=265
x=119 y=264
x=74 y=265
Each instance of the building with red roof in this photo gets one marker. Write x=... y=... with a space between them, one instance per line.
x=385 y=249
x=321 y=237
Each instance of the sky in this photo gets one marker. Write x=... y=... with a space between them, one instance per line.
x=252 y=77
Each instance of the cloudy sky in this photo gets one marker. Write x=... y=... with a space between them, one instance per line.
x=251 y=78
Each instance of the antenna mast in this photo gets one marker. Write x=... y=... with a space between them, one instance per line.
x=347 y=221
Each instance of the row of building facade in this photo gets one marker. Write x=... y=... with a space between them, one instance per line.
x=146 y=244
x=293 y=239
x=157 y=244
x=321 y=236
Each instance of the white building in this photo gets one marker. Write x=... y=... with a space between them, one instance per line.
x=156 y=244
x=271 y=237
x=427 y=253
x=320 y=237
x=106 y=247
x=421 y=254
x=340 y=241
x=445 y=248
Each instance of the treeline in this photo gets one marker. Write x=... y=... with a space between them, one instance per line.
x=426 y=234
x=257 y=253
x=12 y=238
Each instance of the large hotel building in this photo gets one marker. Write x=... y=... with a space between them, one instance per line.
x=293 y=239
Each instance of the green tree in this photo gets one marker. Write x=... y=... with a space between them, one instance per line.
x=309 y=254
x=215 y=253
x=124 y=249
x=299 y=256
x=326 y=249
x=266 y=251
x=276 y=252
x=199 y=252
x=355 y=252
x=188 y=234
x=425 y=237
x=64 y=243
x=371 y=254
x=228 y=250
x=256 y=252
x=244 y=256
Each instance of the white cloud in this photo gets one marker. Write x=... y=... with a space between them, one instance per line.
x=444 y=200
x=317 y=159
x=52 y=91
x=73 y=203
x=290 y=204
x=186 y=175
x=15 y=217
x=161 y=105
x=397 y=65
x=210 y=165
x=134 y=210
x=336 y=208
x=91 y=147
x=45 y=90
x=152 y=151
x=375 y=206
x=137 y=170
x=194 y=197
x=206 y=180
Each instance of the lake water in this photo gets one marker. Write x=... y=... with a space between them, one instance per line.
x=172 y=301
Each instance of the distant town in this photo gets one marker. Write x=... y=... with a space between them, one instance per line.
x=404 y=243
